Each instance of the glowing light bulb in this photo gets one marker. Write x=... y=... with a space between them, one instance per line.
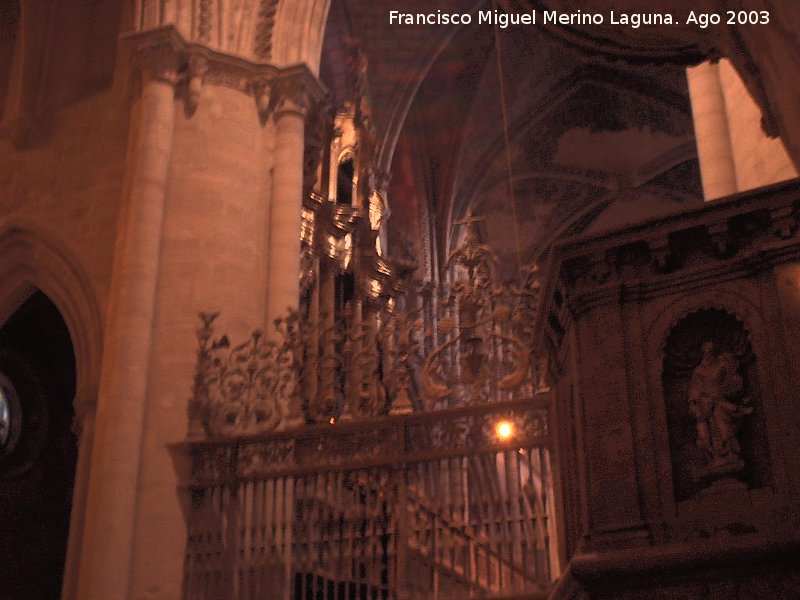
x=504 y=430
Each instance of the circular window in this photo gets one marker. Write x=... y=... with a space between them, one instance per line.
x=10 y=417
x=5 y=419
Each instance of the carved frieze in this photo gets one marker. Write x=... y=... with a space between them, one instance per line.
x=164 y=54
x=258 y=459
x=745 y=234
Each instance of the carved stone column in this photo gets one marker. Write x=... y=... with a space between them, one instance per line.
x=111 y=502
x=294 y=92
x=714 y=149
x=291 y=106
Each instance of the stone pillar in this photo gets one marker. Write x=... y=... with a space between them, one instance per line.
x=106 y=551
x=283 y=283
x=759 y=159
x=212 y=259
x=714 y=148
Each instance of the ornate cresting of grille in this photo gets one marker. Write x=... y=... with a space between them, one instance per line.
x=351 y=452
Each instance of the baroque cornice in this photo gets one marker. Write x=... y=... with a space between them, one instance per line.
x=723 y=241
x=163 y=54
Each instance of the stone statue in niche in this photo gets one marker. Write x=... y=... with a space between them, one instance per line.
x=717 y=402
x=714 y=410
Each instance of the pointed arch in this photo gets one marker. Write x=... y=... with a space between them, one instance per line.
x=31 y=259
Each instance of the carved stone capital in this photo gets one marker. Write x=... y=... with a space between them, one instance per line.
x=291 y=96
x=158 y=54
x=296 y=90
x=163 y=54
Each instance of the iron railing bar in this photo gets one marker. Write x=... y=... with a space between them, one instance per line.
x=538 y=401
x=381 y=461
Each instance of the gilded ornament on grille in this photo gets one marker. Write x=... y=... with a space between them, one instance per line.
x=427 y=347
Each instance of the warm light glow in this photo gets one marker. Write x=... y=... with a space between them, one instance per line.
x=504 y=430
x=332 y=420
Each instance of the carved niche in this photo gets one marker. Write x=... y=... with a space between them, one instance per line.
x=715 y=417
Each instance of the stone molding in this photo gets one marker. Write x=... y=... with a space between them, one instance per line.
x=744 y=234
x=703 y=560
x=164 y=55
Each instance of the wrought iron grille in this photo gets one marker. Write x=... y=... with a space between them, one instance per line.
x=351 y=452
x=400 y=507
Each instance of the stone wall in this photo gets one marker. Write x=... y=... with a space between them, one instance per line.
x=68 y=186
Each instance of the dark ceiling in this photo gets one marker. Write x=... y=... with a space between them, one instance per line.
x=593 y=143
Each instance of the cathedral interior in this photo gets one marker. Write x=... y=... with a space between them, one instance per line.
x=301 y=303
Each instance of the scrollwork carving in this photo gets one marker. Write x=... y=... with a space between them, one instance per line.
x=246 y=389
x=483 y=328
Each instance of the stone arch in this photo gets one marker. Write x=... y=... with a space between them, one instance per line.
x=299 y=31
x=31 y=260
x=729 y=301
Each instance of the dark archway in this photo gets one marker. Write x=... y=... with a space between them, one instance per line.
x=344 y=181
x=38 y=458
